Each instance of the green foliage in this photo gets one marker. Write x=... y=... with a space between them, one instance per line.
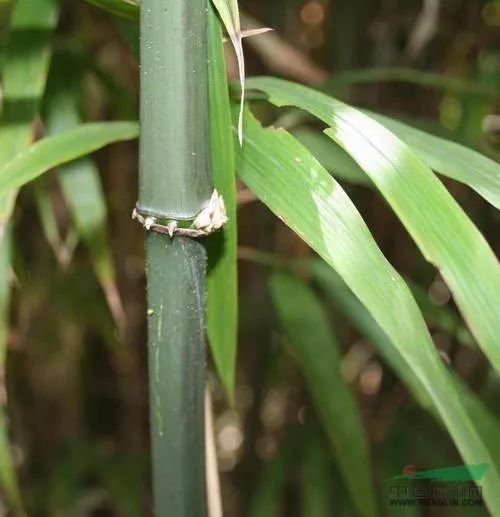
x=411 y=75
x=229 y=12
x=450 y=159
x=266 y=499
x=63 y=248
x=62 y=148
x=331 y=156
x=24 y=75
x=128 y=9
x=80 y=181
x=24 y=71
x=443 y=232
x=317 y=353
x=289 y=180
x=352 y=309
x=222 y=295
x=8 y=481
x=311 y=456
x=316 y=500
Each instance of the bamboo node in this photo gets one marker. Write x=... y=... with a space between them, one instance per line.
x=209 y=220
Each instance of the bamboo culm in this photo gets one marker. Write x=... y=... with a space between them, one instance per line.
x=175 y=186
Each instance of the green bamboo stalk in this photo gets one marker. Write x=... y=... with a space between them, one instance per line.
x=175 y=158
x=175 y=185
x=176 y=283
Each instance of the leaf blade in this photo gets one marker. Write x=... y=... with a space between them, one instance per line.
x=441 y=229
x=230 y=16
x=331 y=156
x=301 y=316
x=24 y=72
x=222 y=284
x=353 y=310
x=80 y=181
x=8 y=480
x=298 y=190
x=450 y=158
x=128 y=9
x=62 y=148
x=24 y=76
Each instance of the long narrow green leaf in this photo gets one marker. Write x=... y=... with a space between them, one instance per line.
x=265 y=501
x=8 y=482
x=331 y=156
x=317 y=353
x=24 y=72
x=50 y=227
x=80 y=180
x=411 y=75
x=487 y=425
x=317 y=483
x=230 y=16
x=83 y=191
x=361 y=319
x=444 y=156
x=222 y=288
x=62 y=148
x=24 y=77
x=441 y=229
x=287 y=178
x=398 y=443
x=128 y=9
x=5 y=15
x=449 y=158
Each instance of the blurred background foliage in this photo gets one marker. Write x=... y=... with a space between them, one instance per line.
x=76 y=367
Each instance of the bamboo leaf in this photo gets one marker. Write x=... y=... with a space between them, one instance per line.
x=398 y=442
x=230 y=16
x=449 y=158
x=287 y=178
x=457 y=85
x=62 y=148
x=317 y=482
x=444 y=156
x=345 y=301
x=128 y=9
x=83 y=191
x=487 y=425
x=441 y=229
x=24 y=72
x=331 y=156
x=265 y=500
x=80 y=180
x=5 y=16
x=24 y=76
x=8 y=481
x=317 y=353
x=222 y=295
x=48 y=220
